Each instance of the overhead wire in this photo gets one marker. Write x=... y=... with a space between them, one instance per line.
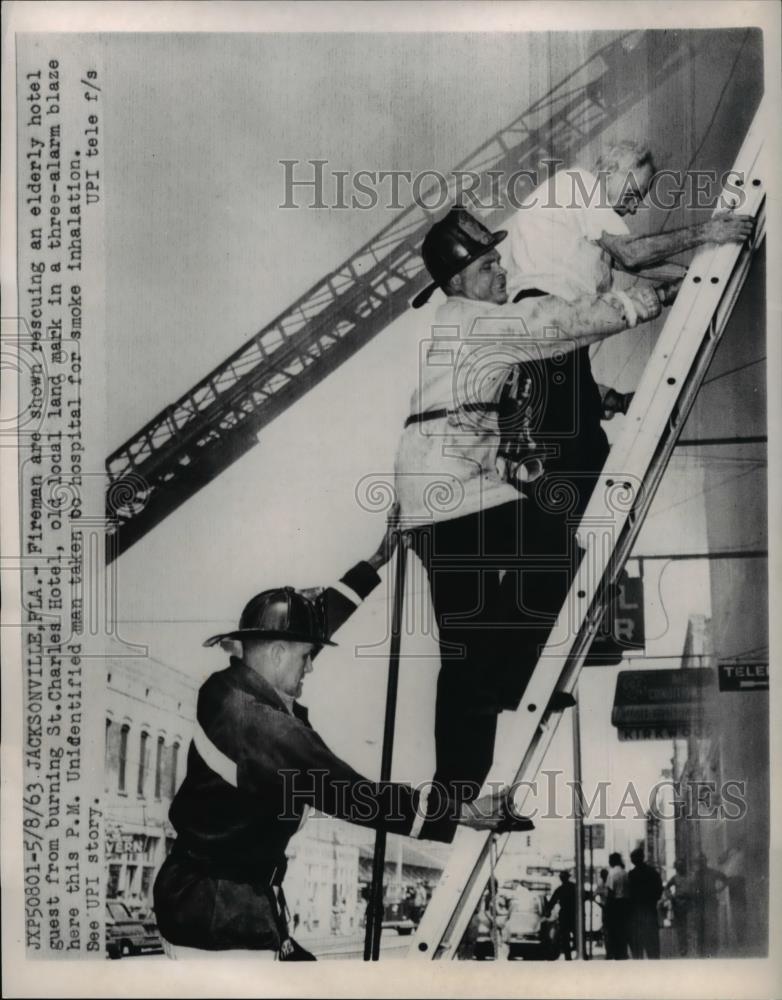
x=703 y=492
x=732 y=371
x=687 y=169
x=713 y=118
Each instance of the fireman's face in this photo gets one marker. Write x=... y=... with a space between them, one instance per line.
x=293 y=661
x=484 y=280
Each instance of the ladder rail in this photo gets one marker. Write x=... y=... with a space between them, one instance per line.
x=615 y=516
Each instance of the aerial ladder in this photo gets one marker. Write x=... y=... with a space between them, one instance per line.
x=194 y=439
x=607 y=532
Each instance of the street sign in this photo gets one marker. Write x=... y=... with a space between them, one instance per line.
x=661 y=704
x=622 y=628
x=595 y=834
x=743 y=676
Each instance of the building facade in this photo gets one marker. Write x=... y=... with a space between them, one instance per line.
x=150 y=710
x=726 y=853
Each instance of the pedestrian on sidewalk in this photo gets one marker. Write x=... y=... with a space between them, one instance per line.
x=680 y=891
x=564 y=896
x=646 y=888
x=616 y=913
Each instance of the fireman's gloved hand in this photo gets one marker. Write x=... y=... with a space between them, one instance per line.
x=389 y=541
x=616 y=402
x=647 y=302
x=667 y=293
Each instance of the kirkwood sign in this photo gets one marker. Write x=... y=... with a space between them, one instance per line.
x=662 y=704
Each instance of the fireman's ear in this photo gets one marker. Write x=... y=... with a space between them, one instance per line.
x=454 y=285
x=277 y=652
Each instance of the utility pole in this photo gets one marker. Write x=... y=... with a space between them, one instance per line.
x=579 y=832
x=374 y=926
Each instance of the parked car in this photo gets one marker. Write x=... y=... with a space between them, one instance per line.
x=397 y=915
x=128 y=933
x=529 y=934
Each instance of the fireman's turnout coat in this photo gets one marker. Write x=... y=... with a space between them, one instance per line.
x=252 y=769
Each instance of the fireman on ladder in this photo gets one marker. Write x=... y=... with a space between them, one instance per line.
x=463 y=510
x=255 y=764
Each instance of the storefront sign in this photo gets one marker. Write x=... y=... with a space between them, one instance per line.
x=623 y=627
x=743 y=676
x=595 y=834
x=661 y=704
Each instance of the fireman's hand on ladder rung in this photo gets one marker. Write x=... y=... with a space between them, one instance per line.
x=667 y=292
x=389 y=541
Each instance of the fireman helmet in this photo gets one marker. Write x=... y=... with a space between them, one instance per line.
x=450 y=245
x=282 y=613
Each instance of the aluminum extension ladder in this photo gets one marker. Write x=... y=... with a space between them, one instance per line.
x=607 y=532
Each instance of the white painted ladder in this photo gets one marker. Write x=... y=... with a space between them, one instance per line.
x=607 y=532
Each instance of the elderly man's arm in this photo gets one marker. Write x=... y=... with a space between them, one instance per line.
x=661 y=274
x=636 y=252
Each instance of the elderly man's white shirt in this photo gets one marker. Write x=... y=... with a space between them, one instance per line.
x=552 y=240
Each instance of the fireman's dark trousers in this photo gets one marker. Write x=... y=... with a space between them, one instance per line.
x=498 y=579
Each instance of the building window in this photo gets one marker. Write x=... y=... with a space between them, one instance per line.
x=159 y=766
x=123 y=756
x=112 y=889
x=174 y=763
x=143 y=754
x=107 y=746
x=130 y=881
x=147 y=878
x=112 y=754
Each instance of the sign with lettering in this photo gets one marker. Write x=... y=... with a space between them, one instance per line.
x=743 y=676
x=622 y=629
x=595 y=836
x=662 y=704
x=631 y=733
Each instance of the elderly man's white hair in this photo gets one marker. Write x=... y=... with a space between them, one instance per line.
x=625 y=155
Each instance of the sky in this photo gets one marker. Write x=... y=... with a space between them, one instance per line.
x=200 y=256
